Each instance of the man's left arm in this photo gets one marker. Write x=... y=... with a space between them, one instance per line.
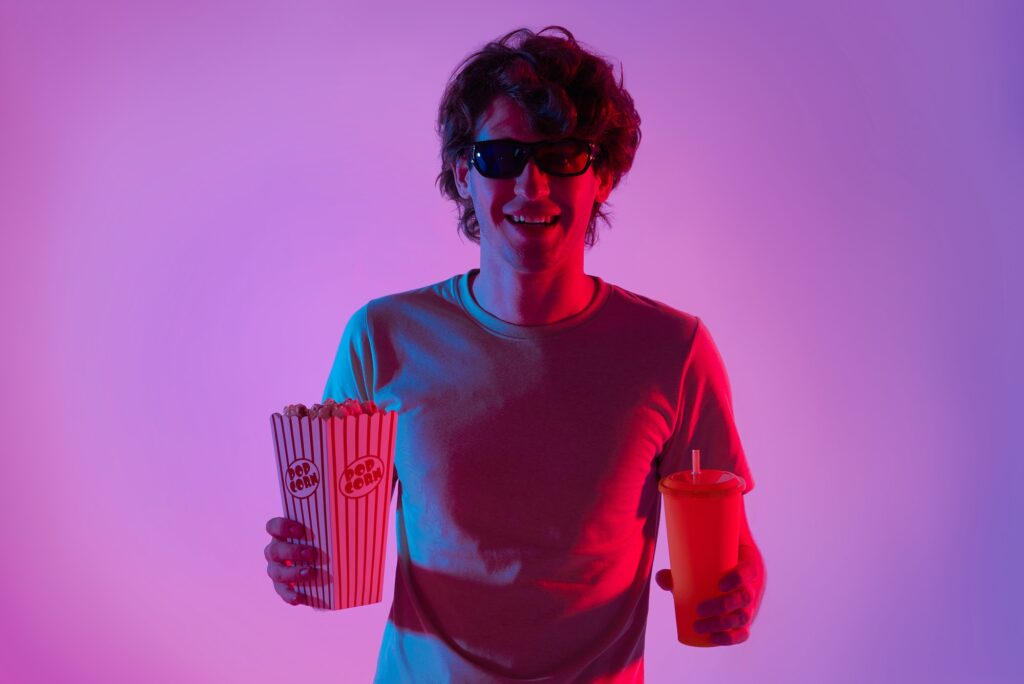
x=706 y=422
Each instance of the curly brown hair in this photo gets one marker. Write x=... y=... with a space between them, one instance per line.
x=564 y=89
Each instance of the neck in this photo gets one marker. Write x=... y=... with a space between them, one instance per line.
x=532 y=298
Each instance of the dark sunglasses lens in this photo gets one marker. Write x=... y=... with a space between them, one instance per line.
x=563 y=158
x=499 y=159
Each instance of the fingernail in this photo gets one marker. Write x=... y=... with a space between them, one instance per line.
x=304 y=572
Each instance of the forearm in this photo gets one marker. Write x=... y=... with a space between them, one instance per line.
x=748 y=551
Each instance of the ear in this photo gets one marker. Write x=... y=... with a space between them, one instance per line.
x=460 y=167
x=604 y=184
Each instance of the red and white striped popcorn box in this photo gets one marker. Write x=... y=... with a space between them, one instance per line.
x=335 y=476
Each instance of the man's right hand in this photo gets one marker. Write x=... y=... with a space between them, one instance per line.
x=282 y=556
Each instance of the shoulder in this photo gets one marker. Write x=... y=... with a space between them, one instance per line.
x=435 y=298
x=648 y=314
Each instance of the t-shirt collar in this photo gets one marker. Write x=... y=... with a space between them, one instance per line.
x=506 y=329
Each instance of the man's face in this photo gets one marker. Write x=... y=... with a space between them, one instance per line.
x=533 y=193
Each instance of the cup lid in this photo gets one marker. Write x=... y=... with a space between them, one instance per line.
x=707 y=483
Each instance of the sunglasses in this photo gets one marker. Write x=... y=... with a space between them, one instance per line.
x=506 y=158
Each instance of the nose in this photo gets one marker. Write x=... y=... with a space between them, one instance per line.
x=531 y=182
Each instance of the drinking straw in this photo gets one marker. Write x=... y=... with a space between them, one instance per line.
x=696 y=463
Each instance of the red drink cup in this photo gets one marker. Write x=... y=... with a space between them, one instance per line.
x=335 y=476
x=703 y=514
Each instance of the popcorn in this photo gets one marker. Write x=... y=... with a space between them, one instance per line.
x=295 y=410
x=336 y=479
x=332 y=409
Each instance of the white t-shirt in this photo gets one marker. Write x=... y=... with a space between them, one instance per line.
x=528 y=459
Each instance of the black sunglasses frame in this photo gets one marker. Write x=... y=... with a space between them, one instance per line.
x=594 y=153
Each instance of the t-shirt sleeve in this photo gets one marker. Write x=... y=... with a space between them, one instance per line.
x=352 y=372
x=351 y=375
x=705 y=418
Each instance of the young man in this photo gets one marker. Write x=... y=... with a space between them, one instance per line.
x=539 y=406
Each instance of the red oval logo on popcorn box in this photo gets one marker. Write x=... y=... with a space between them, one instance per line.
x=303 y=478
x=361 y=477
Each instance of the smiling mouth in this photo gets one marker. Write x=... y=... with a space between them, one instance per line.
x=554 y=219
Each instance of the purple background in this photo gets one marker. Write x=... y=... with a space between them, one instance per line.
x=196 y=195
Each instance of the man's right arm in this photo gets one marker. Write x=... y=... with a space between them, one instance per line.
x=352 y=372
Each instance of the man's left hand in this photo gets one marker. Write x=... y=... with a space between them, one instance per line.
x=728 y=617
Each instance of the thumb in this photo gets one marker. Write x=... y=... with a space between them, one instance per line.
x=664 y=579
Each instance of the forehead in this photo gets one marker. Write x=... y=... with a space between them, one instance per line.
x=503 y=118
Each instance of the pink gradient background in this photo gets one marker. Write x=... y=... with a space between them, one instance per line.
x=194 y=197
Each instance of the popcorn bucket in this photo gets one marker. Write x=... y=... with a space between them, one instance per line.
x=335 y=475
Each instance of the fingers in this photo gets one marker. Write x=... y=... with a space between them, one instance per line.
x=728 y=615
x=290 y=574
x=290 y=595
x=720 y=605
x=283 y=552
x=283 y=528
x=282 y=555
x=730 y=638
x=722 y=623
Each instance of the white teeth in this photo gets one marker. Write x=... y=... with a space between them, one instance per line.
x=540 y=219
